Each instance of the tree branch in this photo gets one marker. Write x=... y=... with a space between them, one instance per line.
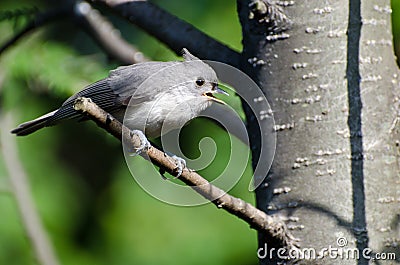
x=172 y=31
x=108 y=37
x=99 y=28
x=20 y=188
x=271 y=226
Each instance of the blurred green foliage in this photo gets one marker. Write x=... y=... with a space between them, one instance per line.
x=92 y=208
x=396 y=27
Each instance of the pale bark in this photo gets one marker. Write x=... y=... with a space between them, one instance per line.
x=340 y=91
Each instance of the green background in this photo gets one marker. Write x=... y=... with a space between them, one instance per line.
x=90 y=205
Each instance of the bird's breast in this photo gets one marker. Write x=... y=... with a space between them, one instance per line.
x=165 y=113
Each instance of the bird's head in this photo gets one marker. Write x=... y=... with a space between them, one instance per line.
x=203 y=79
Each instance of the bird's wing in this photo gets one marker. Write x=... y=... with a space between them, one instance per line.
x=99 y=92
x=116 y=91
x=140 y=82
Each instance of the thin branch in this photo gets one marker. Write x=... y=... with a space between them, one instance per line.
x=108 y=37
x=172 y=31
x=101 y=30
x=20 y=188
x=40 y=20
x=271 y=226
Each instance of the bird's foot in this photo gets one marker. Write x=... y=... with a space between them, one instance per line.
x=144 y=143
x=180 y=166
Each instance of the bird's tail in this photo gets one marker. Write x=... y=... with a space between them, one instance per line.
x=33 y=125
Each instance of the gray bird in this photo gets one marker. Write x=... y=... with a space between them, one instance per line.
x=154 y=97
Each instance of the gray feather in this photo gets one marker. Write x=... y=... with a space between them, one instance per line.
x=135 y=85
x=33 y=125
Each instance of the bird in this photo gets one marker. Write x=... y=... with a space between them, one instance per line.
x=153 y=97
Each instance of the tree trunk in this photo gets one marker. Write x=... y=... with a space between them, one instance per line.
x=329 y=73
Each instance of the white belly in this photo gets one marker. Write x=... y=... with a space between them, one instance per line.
x=164 y=114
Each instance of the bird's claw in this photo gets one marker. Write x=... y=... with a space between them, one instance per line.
x=180 y=165
x=144 y=143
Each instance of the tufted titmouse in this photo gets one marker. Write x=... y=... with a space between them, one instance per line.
x=152 y=96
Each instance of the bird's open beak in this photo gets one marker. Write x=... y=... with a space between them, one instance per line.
x=215 y=90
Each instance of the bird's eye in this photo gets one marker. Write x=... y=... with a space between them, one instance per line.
x=200 y=81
